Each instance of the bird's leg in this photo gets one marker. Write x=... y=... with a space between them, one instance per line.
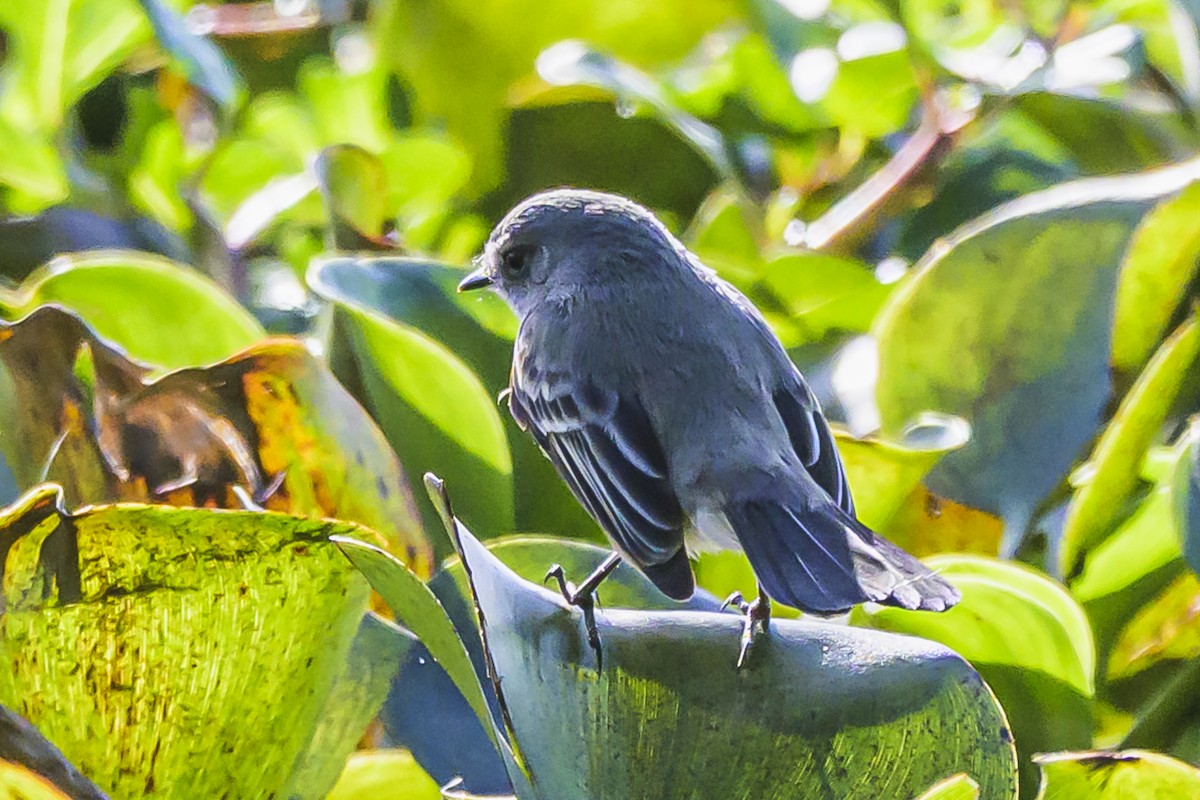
x=756 y=613
x=583 y=597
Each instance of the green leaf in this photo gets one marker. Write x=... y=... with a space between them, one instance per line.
x=956 y=787
x=1104 y=775
x=477 y=329
x=1031 y=374
x=22 y=748
x=371 y=774
x=825 y=293
x=62 y=48
x=1165 y=629
x=1096 y=507
x=354 y=186
x=31 y=167
x=416 y=608
x=1162 y=260
x=1029 y=639
x=158 y=311
x=883 y=473
x=109 y=610
x=1137 y=562
x=432 y=408
x=357 y=694
x=817 y=697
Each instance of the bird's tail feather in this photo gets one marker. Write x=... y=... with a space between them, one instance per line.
x=819 y=559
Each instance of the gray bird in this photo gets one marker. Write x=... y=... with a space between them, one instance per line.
x=676 y=417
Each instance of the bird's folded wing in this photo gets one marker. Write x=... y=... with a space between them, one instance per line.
x=813 y=441
x=603 y=445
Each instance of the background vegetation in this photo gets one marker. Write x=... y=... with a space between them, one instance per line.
x=230 y=236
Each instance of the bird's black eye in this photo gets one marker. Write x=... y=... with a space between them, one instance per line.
x=516 y=260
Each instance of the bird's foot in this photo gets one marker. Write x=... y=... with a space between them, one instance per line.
x=584 y=598
x=756 y=616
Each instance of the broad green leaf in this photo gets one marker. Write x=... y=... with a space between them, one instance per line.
x=158 y=311
x=31 y=764
x=109 y=610
x=723 y=235
x=357 y=694
x=1133 y=565
x=883 y=473
x=1118 y=775
x=354 y=186
x=956 y=787
x=371 y=774
x=816 y=697
x=825 y=293
x=416 y=608
x=1104 y=136
x=479 y=330
x=271 y=423
x=60 y=49
x=432 y=50
x=1096 y=507
x=1163 y=257
x=431 y=406
x=31 y=167
x=1028 y=638
x=1031 y=374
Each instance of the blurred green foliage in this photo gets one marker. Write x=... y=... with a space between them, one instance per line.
x=972 y=223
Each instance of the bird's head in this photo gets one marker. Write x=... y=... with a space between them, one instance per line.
x=563 y=242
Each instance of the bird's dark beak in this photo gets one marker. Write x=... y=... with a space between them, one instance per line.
x=476 y=280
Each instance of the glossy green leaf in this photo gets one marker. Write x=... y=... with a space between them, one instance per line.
x=1028 y=638
x=1163 y=258
x=1116 y=776
x=417 y=609
x=956 y=787
x=1116 y=460
x=883 y=473
x=1032 y=374
x=358 y=691
x=109 y=609
x=158 y=311
x=432 y=408
x=354 y=186
x=478 y=328
x=824 y=293
x=816 y=697
x=23 y=748
x=371 y=774
x=1133 y=565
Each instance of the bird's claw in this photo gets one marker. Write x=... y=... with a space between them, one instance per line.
x=756 y=615
x=585 y=601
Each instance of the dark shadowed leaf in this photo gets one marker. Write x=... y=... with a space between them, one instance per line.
x=1032 y=374
x=1115 y=776
x=202 y=62
x=108 y=610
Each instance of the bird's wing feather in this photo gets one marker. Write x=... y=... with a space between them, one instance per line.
x=604 y=447
x=813 y=441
